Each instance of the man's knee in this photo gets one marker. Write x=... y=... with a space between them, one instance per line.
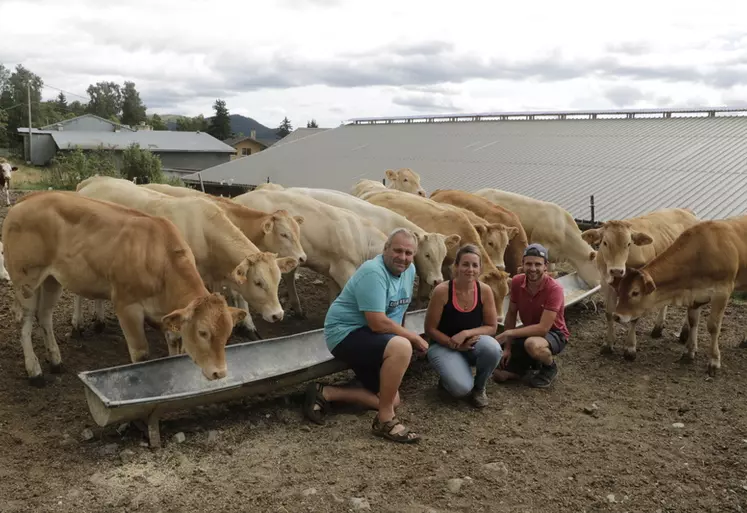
x=398 y=347
x=535 y=346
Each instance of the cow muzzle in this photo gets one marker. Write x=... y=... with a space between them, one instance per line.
x=274 y=316
x=622 y=319
x=616 y=273
x=215 y=373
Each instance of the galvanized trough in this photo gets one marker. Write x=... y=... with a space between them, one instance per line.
x=145 y=391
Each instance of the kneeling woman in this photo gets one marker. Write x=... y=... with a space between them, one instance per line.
x=459 y=323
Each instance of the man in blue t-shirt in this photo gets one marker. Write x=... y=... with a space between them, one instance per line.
x=364 y=328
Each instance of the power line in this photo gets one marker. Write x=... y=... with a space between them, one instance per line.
x=66 y=92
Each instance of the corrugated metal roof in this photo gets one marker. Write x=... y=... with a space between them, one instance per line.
x=298 y=134
x=156 y=140
x=94 y=116
x=631 y=166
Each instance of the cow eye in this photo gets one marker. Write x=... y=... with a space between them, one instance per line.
x=203 y=333
x=604 y=243
x=258 y=283
x=635 y=293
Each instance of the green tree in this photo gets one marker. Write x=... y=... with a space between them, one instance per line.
x=157 y=123
x=76 y=108
x=106 y=99
x=15 y=99
x=195 y=124
x=133 y=110
x=220 y=124
x=312 y=124
x=141 y=164
x=60 y=104
x=285 y=128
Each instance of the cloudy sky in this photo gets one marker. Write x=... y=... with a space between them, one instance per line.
x=338 y=59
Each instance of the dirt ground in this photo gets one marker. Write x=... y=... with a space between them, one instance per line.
x=529 y=451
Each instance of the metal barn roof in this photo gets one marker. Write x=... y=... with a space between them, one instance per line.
x=156 y=140
x=298 y=134
x=632 y=162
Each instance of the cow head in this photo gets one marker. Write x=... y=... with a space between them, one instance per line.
x=205 y=325
x=500 y=283
x=282 y=235
x=614 y=239
x=635 y=295
x=432 y=250
x=495 y=238
x=405 y=180
x=258 y=277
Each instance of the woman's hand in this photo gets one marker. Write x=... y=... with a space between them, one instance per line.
x=459 y=338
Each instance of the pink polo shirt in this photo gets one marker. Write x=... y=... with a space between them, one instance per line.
x=549 y=297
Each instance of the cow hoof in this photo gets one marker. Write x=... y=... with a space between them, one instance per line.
x=38 y=381
x=743 y=344
x=629 y=355
x=712 y=370
x=251 y=334
x=605 y=350
x=687 y=358
x=300 y=315
x=76 y=333
x=683 y=337
x=56 y=369
x=657 y=331
x=99 y=326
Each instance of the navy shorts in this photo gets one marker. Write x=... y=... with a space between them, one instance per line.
x=521 y=362
x=364 y=350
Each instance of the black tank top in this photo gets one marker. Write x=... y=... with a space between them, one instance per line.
x=454 y=320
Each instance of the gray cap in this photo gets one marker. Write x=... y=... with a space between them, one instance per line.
x=537 y=250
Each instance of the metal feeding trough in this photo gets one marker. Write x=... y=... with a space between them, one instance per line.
x=145 y=391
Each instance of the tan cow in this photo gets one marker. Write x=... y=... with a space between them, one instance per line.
x=224 y=255
x=433 y=216
x=99 y=250
x=492 y=213
x=276 y=232
x=705 y=264
x=337 y=241
x=553 y=227
x=405 y=180
x=631 y=243
x=432 y=246
x=365 y=188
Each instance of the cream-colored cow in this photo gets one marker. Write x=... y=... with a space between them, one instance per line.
x=492 y=213
x=433 y=216
x=337 y=241
x=405 y=180
x=365 y=188
x=3 y=271
x=631 y=243
x=553 y=227
x=225 y=257
x=99 y=250
x=432 y=246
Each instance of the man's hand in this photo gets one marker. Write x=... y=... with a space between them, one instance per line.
x=506 y=357
x=504 y=337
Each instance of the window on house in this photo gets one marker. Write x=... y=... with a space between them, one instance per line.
x=246 y=151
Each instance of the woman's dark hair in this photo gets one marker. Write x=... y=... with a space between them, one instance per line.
x=467 y=248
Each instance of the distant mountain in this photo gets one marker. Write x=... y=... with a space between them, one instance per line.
x=239 y=125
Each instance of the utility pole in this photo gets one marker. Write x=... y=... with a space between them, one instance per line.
x=28 y=92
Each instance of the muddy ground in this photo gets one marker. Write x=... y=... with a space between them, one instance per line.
x=530 y=450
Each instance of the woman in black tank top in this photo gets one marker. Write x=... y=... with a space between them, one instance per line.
x=460 y=323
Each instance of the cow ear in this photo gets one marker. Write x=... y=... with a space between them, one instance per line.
x=648 y=283
x=390 y=174
x=592 y=236
x=641 y=239
x=592 y=256
x=267 y=225
x=14 y=168
x=299 y=219
x=175 y=320
x=237 y=314
x=452 y=240
x=286 y=264
x=512 y=232
x=481 y=230
x=238 y=275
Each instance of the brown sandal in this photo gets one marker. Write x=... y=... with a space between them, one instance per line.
x=314 y=397
x=384 y=429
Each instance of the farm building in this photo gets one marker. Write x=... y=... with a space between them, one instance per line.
x=629 y=161
x=180 y=152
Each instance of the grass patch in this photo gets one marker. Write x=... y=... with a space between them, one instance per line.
x=27 y=177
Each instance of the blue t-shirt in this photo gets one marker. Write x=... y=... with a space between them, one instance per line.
x=371 y=289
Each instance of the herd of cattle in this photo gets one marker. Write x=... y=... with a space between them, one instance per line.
x=169 y=256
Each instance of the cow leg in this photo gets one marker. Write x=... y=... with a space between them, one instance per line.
x=99 y=319
x=247 y=325
x=76 y=320
x=173 y=342
x=693 y=319
x=7 y=196
x=132 y=321
x=684 y=330
x=609 y=309
x=50 y=293
x=28 y=309
x=718 y=306
x=629 y=353
x=290 y=284
x=661 y=317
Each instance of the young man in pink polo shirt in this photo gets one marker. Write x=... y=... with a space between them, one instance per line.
x=540 y=303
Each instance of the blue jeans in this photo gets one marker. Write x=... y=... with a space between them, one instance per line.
x=454 y=367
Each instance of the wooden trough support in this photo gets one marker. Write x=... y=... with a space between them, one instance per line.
x=145 y=391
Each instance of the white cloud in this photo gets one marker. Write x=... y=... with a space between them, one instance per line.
x=335 y=59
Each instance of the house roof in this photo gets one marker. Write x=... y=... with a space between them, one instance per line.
x=632 y=162
x=298 y=134
x=157 y=140
x=236 y=140
x=66 y=121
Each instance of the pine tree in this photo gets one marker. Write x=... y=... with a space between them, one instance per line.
x=285 y=128
x=220 y=124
